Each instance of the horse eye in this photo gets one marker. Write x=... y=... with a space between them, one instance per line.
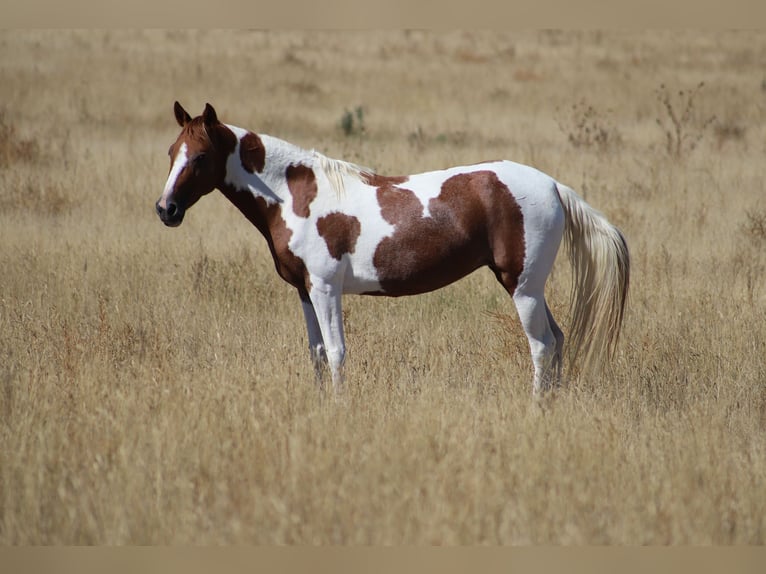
x=199 y=162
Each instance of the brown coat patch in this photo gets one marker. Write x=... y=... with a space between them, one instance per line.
x=398 y=204
x=269 y=221
x=377 y=180
x=303 y=187
x=340 y=232
x=252 y=153
x=474 y=221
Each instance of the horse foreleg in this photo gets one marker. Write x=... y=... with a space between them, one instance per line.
x=326 y=300
x=316 y=343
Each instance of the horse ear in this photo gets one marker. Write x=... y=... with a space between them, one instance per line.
x=182 y=117
x=209 y=116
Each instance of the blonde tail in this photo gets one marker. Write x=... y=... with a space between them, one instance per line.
x=601 y=276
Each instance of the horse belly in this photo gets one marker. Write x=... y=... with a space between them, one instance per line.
x=427 y=255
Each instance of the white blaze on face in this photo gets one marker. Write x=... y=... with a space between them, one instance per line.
x=178 y=165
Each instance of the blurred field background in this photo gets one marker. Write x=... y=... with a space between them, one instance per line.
x=155 y=385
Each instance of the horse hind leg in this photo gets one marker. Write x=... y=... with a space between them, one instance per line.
x=545 y=342
x=526 y=285
x=558 y=356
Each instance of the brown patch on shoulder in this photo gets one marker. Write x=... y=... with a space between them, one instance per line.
x=252 y=153
x=303 y=187
x=474 y=221
x=340 y=232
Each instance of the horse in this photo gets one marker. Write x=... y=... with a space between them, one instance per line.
x=335 y=228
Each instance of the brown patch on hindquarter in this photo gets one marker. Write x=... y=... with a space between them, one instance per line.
x=252 y=153
x=340 y=232
x=474 y=221
x=302 y=184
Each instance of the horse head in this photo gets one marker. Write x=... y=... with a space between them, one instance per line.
x=197 y=163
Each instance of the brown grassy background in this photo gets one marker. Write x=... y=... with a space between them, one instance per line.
x=155 y=385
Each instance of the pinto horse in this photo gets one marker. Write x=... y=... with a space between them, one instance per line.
x=333 y=228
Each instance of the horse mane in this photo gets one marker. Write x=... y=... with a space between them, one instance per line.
x=335 y=170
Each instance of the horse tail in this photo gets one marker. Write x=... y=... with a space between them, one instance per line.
x=601 y=276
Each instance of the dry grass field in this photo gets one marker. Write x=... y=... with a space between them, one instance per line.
x=155 y=385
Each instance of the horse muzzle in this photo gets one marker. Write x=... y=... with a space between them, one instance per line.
x=171 y=214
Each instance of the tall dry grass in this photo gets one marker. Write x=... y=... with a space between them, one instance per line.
x=155 y=385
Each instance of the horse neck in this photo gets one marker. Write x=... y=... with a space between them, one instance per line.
x=270 y=183
x=259 y=195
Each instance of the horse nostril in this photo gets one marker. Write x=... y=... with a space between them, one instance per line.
x=171 y=214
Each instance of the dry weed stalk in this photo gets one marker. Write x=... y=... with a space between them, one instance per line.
x=586 y=127
x=683 y=130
